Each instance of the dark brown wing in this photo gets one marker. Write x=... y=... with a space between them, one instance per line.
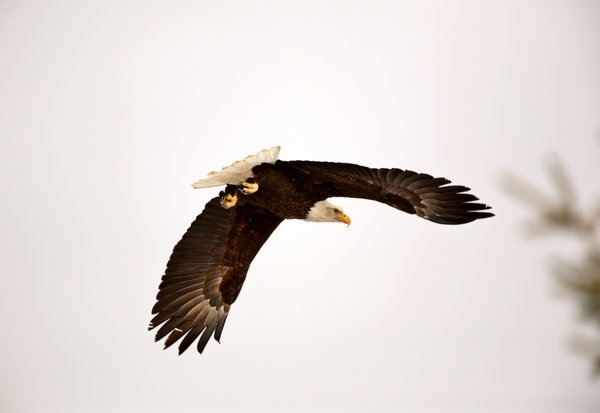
x=206 y=271
x=428 y=197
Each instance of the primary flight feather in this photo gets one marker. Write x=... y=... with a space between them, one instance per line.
x=209 y=264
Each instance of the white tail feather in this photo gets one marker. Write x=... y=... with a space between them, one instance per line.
x=239 y=171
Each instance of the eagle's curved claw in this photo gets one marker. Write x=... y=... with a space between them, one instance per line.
x=249 y=188
x=228 y=200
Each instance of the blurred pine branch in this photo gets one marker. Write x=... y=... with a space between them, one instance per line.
x=560 y=213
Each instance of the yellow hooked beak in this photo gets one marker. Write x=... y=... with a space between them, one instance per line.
x=343 y=218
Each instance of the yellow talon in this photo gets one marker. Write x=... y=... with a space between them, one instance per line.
x=228 y=200
x=249 y=188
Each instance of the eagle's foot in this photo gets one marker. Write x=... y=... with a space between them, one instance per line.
x=249 y=187
x=228 y=200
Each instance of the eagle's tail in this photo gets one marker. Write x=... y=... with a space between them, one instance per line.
x=239 y=171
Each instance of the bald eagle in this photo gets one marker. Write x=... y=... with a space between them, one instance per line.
x=209 y=264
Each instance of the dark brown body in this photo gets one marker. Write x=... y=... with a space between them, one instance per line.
x=286 y=191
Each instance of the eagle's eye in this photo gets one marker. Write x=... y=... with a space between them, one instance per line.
x=337 y=211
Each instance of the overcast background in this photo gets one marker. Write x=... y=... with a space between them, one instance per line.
x=110 y=110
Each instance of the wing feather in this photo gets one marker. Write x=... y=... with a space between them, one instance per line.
x=190 y=337
x=206 y=271
x=415 y=193
x=220 y=324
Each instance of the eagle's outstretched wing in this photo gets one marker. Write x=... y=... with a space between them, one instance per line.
x=428 y=197
x=206 y=271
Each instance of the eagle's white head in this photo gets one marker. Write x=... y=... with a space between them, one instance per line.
x=325 y=211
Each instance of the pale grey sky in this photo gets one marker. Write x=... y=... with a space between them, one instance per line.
x=110 y=110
